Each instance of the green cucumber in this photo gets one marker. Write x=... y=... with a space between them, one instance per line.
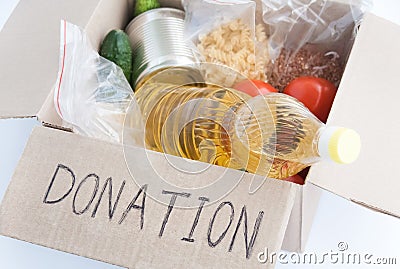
x=116 y=47
x=144 y=5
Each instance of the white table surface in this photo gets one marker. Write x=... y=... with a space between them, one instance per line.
x=337 y=220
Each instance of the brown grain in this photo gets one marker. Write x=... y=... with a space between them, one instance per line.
x=305 y=62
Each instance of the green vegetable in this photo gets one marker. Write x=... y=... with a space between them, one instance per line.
x=116 y=47
x=144 y=5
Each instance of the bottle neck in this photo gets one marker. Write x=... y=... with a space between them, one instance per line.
x=339 y=145
x=321 y=141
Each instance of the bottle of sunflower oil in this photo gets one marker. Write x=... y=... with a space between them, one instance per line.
x=190 y=121
x=272 y=135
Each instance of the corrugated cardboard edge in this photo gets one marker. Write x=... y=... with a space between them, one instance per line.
x=310 y=203
x=301 y=218
x=376 y=209
x=17 y=117
x=293 y=235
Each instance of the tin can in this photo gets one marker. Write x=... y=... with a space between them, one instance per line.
x=158 y=43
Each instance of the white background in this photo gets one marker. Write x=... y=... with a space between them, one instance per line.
x=337 y=220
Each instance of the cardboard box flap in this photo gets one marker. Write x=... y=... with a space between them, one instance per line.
x=368 y=101
x=75 y=194
x=29 y=49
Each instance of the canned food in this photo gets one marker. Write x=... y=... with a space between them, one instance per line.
x=157 y=38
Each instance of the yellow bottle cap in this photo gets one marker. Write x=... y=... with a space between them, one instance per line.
x=341 y=145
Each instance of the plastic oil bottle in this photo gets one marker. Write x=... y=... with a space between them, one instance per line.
x=189 y=121
x=272 y=135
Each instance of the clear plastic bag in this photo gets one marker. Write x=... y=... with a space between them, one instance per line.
x=92 y=94
x=318 y=32
x=202 y=16
x=225 y=32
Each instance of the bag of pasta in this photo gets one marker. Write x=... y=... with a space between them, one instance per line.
x=225 y=32
x=311 y=37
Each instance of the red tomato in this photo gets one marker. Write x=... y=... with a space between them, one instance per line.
x=303 y=173
x=295 y=179
x=254 y=87
x=317 y=94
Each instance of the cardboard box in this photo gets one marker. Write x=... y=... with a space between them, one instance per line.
x=75 y=194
